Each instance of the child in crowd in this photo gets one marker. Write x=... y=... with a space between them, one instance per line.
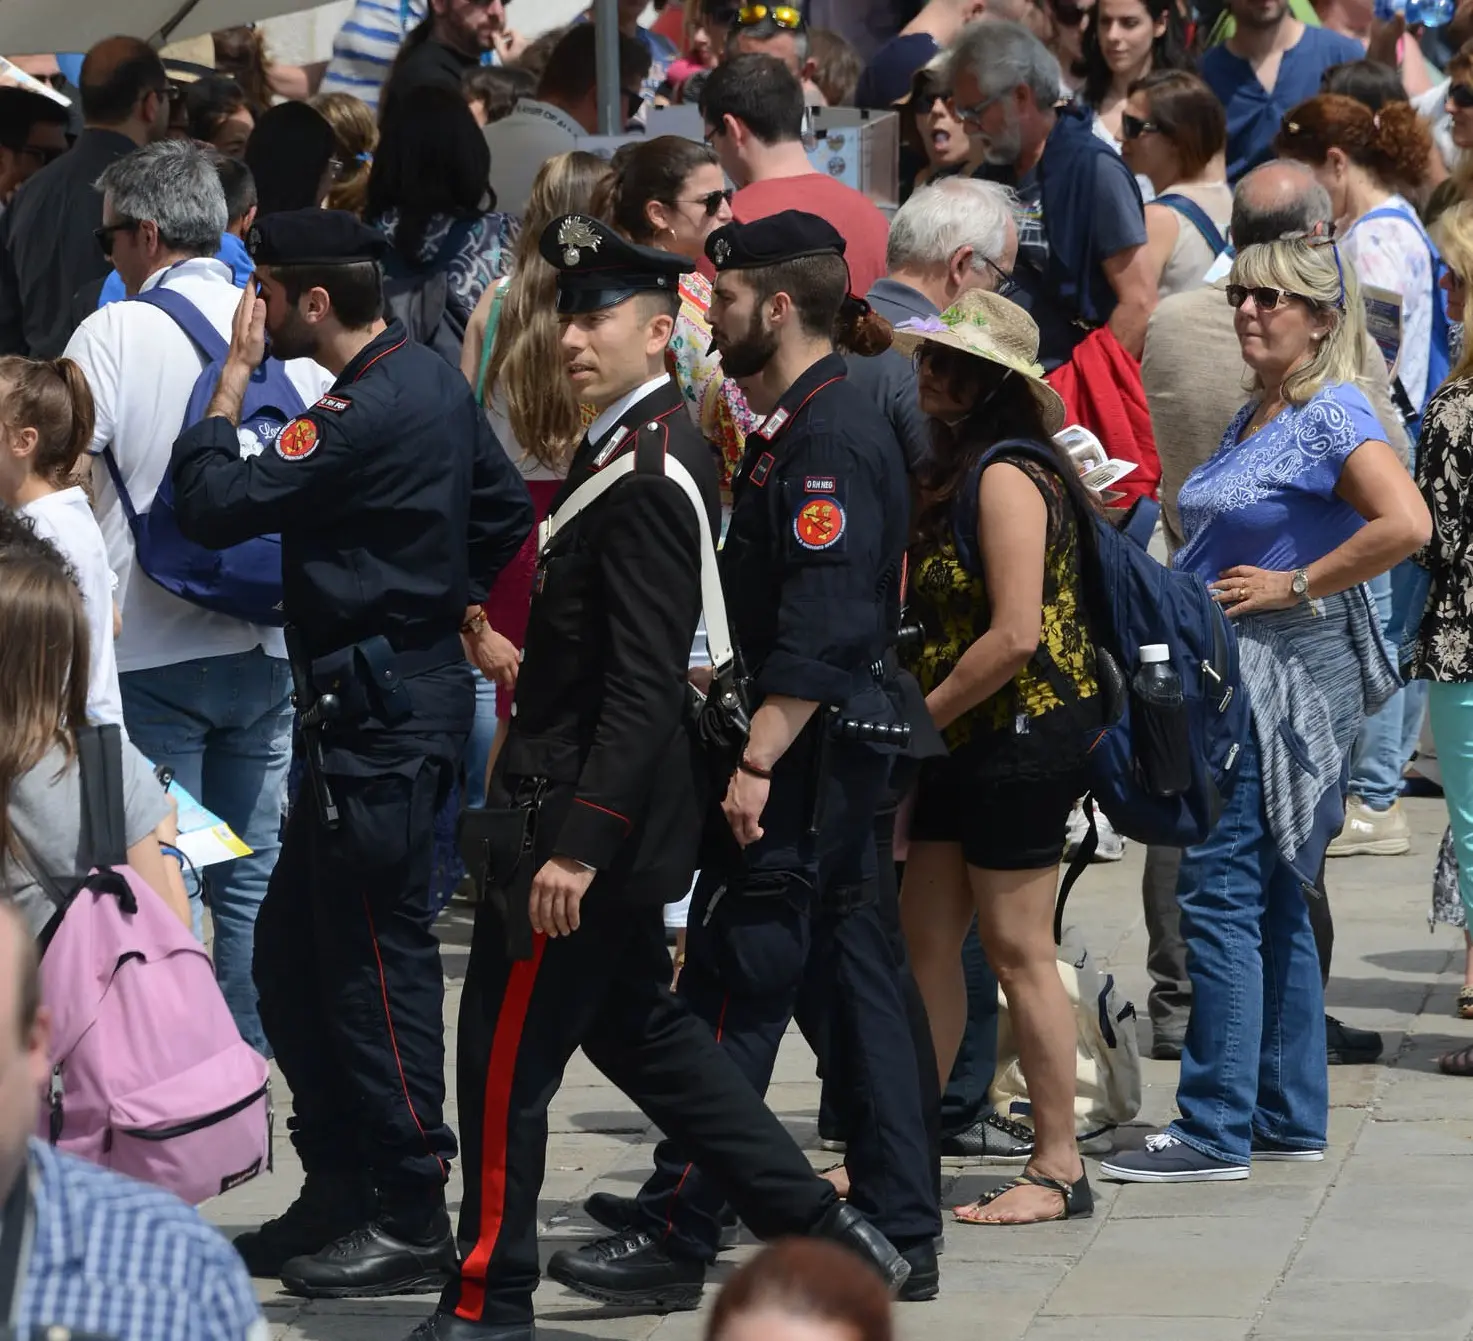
x=46 y=421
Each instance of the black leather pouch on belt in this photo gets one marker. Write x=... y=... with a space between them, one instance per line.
x=498 y=846
x=368 y=677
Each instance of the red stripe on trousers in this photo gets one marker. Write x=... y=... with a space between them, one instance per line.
x=505 y=1044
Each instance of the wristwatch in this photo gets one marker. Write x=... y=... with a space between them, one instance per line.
x=1299 y=584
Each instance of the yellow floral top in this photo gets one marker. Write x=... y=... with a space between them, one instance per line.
x=715 y=402
x=1028 y=726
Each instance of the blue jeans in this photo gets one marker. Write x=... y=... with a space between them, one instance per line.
x=224 y=725
x=478 y=743
x=1254 y=1059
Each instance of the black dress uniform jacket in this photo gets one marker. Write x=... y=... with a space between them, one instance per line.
x=812 y=558
x=369 y=537
x=601 y=706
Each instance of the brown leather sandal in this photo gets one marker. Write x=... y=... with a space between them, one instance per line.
x=1079 y=1200
x=1459 y=1063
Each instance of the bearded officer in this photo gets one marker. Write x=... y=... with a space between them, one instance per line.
x=812 y=567
x=602 y=766
x=396 y=509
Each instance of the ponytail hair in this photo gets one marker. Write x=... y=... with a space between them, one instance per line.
x=1392 y=143
x=52 y=397
x=860 y=329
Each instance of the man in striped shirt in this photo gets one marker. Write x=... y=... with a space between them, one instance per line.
x=83 y=1247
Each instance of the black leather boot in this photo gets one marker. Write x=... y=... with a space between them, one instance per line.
x=618 y=1214
x=392 y=1254
x=442 y=1326
x=632 y=1271
x=328 y=1206
x=844 y=1225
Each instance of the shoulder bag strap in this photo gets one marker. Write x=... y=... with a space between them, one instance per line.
x=100 y=762
x=713 y=599
x=1197 y=217
x=488 y=340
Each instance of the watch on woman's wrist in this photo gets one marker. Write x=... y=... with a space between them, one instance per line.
x=1299 y=585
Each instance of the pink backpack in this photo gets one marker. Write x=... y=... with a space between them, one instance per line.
x=150 y=1076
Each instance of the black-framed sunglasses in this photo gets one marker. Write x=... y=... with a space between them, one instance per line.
x=1068 y=15
x=711 y=201
x=107 y=234
x=1133 y=127
x=1265 y=297
x=944 y=363
x=1460 y=95
x=1006 y=286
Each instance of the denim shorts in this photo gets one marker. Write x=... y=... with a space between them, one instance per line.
x=1013 y=824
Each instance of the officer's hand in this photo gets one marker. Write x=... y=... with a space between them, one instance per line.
x=746 y=798
x=557 y=891
x=248 y=334
x=495 y=656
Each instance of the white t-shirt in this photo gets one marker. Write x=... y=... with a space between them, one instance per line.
x=1431 y=106
x=1388 y=252
x=65 y=518
x=521 y=143
x=142 y=368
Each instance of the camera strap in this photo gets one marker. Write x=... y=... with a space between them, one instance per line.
x=16 y=1225
x=713 y=600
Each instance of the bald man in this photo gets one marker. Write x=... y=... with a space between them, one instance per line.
x=1194 y=376
x=103 y=1254
x=48 y=255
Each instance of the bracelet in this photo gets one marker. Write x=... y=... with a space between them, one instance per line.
x=752 y=771
x=475 y=623
x=174 y=852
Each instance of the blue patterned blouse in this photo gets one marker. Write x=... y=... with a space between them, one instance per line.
x=484 y=255
x=1269 y=501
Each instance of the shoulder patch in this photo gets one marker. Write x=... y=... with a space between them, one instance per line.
x=819 y=523
x=334 y=404
x=773 y=424
x=298 y=440
x=610 y=447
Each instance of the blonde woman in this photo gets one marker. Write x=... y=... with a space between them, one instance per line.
x=1300 y=506
x=1443 y=652
x=511 y=357
x=356 y=133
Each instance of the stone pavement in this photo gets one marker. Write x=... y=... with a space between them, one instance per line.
x=1368 y=1244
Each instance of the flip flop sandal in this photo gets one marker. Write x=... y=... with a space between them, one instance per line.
x=1459 y=1063
x=1464 y=1010
x=1079 y=1200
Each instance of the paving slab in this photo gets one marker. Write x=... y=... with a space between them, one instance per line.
x=1373 y=1242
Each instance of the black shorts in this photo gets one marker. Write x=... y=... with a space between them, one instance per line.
x=1012 y=825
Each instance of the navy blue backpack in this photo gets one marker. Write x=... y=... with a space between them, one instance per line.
x=242 y=581
x=1133 y=600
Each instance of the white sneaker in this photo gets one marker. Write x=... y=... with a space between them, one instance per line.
x=1371 y=833
x=1111 y=844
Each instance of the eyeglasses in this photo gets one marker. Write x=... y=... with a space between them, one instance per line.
x=1265 y=298
x=944 y=363
x=925 y=98
x=785 y=16
x=1006 y=286
x=973 y=115
x=1068 y=15
x=1133 y=127
x=45 y=152
x=107 y=234
x=712 y=201
x=1460 y=95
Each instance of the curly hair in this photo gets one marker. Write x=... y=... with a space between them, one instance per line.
x=1392 y=144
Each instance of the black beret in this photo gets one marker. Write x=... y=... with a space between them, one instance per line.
x=598 y=268
x=314 y=237
x=773 y=240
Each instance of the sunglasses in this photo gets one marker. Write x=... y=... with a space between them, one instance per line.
x=1460 y=95
x=711 y=201
x=1067 y=15
x=973 y=115
x=947 y=364
x=107 y=234
x=1265 y=298
x=785 y=16
x=1133 y=127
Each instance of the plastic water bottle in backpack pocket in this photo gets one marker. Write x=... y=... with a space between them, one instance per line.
x=1161 y=741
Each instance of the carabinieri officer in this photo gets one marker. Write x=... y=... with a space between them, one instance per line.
x=601 y=764
x=811 y=566
x=396 y=509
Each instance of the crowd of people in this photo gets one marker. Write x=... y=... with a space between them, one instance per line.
x=813 y=694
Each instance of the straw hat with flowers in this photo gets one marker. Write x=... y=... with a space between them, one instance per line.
x=988 y=326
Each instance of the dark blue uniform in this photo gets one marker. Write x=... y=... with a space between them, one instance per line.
x=396 y=508
x=811 y=567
